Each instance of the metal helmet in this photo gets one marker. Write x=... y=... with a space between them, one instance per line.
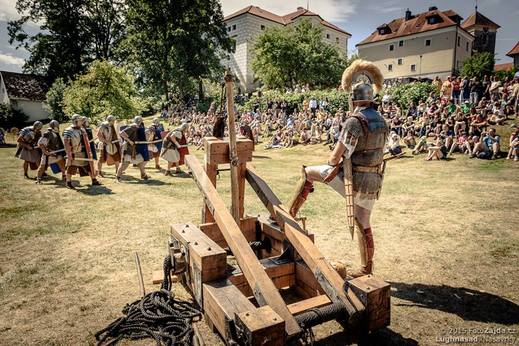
x=137 y=120
x=110 y=119
x=37 y=125
x=76 y=119
x=362 y=92
x=84 y=121
x=54 y=124
x=156 y=121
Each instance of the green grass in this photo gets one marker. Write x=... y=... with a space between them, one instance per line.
x=66 y=260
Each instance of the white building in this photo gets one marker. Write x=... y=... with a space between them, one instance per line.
x=247 y=24
x=24 y=92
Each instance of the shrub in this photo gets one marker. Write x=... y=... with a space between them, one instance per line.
x=55 y=100
x=404 y=94
x=10 y=117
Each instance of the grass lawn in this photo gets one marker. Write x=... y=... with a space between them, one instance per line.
x=446 y=234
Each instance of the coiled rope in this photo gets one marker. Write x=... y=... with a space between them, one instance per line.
x=157 y=315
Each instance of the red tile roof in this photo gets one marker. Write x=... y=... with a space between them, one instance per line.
x=477 y=18
x=514 y=50
x=504 y=67
x=284 y=20
x=417 y=24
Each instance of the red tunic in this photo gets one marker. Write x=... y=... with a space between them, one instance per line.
x=182 y=151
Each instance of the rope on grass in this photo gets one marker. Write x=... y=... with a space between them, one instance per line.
x=157 y=315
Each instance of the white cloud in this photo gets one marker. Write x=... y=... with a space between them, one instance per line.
x=8 y=10
x=331 y=10
x=11 y=60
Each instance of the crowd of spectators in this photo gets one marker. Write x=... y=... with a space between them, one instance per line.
x=461 y=117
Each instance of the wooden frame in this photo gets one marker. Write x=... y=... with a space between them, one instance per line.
x=279 y=273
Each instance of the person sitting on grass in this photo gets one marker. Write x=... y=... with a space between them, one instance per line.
x=421 y=146
x=410 y=139
x=481 y=150
x=437 y=151
x=497 y=118
x=493 y=142
x=461 y=144
x=393 y=144
x=513 y=153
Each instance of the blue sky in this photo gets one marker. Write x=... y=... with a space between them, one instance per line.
x=358 y=17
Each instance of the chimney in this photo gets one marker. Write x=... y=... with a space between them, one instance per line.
x=408 y=14
x=433 y=8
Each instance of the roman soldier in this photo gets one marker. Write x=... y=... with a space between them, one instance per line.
x=109 y=146
x=154 y=137
x=183 y=149
x=355 y=167
x=135 y=148
x=78 y=150
x=171 y=149
x=90 y=135
x=27 y=149
x=53 y=151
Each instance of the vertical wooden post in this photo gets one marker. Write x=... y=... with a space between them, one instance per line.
x=233 y=153
x=211 y=170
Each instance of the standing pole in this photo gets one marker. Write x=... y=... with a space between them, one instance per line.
x=348 y=187
x=139 y=274
x=233 y=152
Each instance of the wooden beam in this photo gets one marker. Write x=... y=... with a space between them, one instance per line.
x=310 y=303
x=222 y=301
x=247 y=226
x=328 y=278
x=233 y=151
x=264 y=289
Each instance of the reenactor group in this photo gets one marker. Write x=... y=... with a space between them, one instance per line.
x=76 y=152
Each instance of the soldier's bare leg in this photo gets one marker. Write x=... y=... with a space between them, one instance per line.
x=26 y=169
x=365 y=239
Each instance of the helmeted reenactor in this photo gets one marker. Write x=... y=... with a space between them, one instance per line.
x=154 y=138
x=170 y=149
x=109 y=146
x=78 y=150
x=53 y=150
x=90 y=135
x=355 y=167
x=27 y=149
x=135 y=148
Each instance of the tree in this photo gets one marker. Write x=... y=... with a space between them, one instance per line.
x=415 y=92
x=71 y=34
x=172 y=45
x=11 y=117
x=105 y=89
x=478 y=65
x=294 y=55
x=55 y=100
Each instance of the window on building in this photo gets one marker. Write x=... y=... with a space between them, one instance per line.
x=427 y=42
x=328 y=36
x=459 y=41
x=390 y=67
x=400 y=61
x=391 y=47
x=413 y=68
x=467 y=46
x=337 y=40
x=400 y=43
x=229 y=28
x=263 y=27
x=234 y=27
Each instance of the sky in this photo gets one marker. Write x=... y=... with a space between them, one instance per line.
x=358 y=17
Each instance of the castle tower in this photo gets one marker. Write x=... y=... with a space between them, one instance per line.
x=484 y=30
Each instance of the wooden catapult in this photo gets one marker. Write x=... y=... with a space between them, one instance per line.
x=282 y=285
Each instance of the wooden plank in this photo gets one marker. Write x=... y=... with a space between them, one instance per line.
x=265 y=291
x=261 y=327
x=207 y=261
x=282 y=275
x=310 y=303
x=328 y=278
x=248 y=228
x=211 y=170
x=242 y=170
x=222 y=301
x=217 y=151
x=233 y=152
x=158 y=277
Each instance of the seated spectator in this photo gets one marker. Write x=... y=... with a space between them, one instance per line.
x=393 y=144
x=461 y=144
x=493 y=143
x=437 y=151
x=410 y=139
x=513 y=153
